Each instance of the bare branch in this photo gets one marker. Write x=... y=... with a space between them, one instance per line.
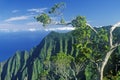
x=108 y=54
x=66 y=24
x=91 y=28
x=116 y=45
x=111 y=35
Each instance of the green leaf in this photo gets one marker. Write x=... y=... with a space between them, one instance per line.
x=43 y=18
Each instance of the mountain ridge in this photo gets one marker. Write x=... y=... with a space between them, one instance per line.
x=37 y=64
x=29 y=64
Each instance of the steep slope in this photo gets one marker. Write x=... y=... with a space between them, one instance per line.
x=28 y=65
x=32 y=65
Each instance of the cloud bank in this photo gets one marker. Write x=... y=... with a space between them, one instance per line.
x=32 y=26
x=37 y=10
x=63 y=28
x=17 y=18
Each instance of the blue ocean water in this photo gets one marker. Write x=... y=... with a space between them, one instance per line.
x=10 y=42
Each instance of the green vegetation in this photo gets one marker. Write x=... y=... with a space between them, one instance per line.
x=56 y=10
x=43 y=18
x=85 y=53
x=90 y=43
x=55 y=58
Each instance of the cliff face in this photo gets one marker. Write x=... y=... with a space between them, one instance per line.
x=28 y=65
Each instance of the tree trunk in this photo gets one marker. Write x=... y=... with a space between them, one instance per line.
x=101 y=74
x=101 y=69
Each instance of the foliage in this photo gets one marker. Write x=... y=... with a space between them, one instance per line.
x=44 y=73
x=61 y=64
x=61 y=59
x=83 y=35
x=111 y=77
x=90 y=44
x=90 y=72
x=62 y=21
x=57 y=8
x=43 y=18
x=79 y=21
x=100 y=43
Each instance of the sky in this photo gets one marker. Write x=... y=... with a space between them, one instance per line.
x=18 y=15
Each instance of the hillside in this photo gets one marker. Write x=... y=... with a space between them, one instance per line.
x=29 y=64
x=53 y=59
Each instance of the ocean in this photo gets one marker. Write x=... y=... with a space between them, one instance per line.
x=10 y=42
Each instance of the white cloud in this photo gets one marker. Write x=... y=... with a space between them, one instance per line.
x=60 y=29
x=33 y=24
x=4 y=30
x=37 y=10
x=15 y=11
x=10 y=27
x=32 y=29
x=17 y=18
x=19 y=30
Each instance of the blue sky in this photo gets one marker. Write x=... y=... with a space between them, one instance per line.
x=18 y=15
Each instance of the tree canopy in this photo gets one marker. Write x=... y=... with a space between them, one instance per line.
x=56 y=10
x=43 y=18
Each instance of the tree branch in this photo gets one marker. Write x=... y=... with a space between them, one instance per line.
x=111 y=35
x=91 y=27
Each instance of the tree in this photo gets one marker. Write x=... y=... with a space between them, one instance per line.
x=43 y=18
x=56 y=10
x=95 y=46
x=91 y=46
x=61 y=65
